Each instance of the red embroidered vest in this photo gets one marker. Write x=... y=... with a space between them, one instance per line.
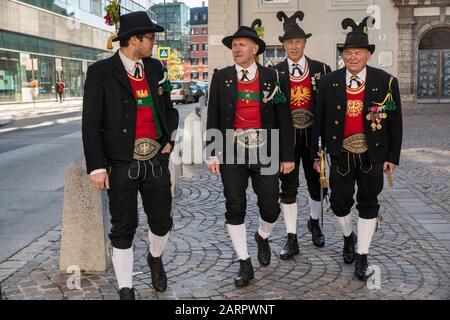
x=301 y=91
x=248 y=107
x=147 y=125
x=354 y=117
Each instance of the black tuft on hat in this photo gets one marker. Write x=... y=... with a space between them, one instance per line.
x=291 y=28
x=357 y=38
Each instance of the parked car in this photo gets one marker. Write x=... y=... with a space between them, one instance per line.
x=181 y=92
x=197 y=91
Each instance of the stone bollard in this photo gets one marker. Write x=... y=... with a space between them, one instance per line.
x=85 y=224
x=86 y=221
x=192 y=144
x=176 y=171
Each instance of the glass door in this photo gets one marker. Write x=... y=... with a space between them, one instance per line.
x=429 y=74
x=445 y=78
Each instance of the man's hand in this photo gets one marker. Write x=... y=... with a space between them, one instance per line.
x=167 y=148
x=100 y=181
x=317 y=166
x=389 y=167
x=213 y=165
x=287 y=167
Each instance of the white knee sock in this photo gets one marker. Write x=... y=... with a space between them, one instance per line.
x=238 y=235
x=157 y=243
x=366 y=229
x=289 y=212
x=346 y=224
x=265 y=228
x=315 y=209
x=122 y=260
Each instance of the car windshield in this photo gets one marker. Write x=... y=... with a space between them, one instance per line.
x=194 y=87
x=176 y=85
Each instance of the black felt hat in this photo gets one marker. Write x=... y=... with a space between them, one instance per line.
x=247 y=32
x=136 y=23
x=357 y=38
x=291 y=29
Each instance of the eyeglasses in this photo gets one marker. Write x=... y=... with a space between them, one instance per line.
x=151 y=38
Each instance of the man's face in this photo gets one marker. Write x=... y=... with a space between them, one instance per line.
x=144 y=48
x=244 y=51
x=295 y=48
x=356 y=59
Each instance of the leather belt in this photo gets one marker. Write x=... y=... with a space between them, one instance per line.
x=145 y=149
x=355 y=143
x=250 y=138
x=302 y=118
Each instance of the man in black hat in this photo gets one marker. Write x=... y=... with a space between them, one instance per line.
x=358 y=117
x=302 y=75
x=128 y=121
x=246 y=103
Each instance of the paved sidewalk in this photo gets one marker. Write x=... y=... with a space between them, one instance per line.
x=411 y=250
x=11 y=112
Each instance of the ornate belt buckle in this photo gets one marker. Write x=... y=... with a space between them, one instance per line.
x=145 y=149
x=250 y=138
x=355 y=143
x=302 y=118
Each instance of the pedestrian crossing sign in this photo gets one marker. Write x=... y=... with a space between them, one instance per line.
x=164 y=53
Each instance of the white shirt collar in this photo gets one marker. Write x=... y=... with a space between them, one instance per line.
x=251 y=71
x=362 y=76
x=128 y=63
x=301 y=63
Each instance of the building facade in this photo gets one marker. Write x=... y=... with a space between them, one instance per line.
x=197 y=67
x=174 y=17
x=42 y=41
x=411 y=37
x=424 y=50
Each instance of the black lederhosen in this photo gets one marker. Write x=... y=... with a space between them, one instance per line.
x=235 y=181
x=290 y=181
x=151 y=179
x=345 y=171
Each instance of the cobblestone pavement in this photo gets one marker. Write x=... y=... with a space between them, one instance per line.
x=410 y=251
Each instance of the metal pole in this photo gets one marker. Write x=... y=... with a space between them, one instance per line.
x=165 y=25
x=239 y=13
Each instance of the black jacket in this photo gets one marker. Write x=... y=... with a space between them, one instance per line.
x=109 y=111
x=222 y=107
x=317 y=69
x=383 y=145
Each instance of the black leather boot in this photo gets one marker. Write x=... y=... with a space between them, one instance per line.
x=126 y=294
x=264 y=254
x=318 y=239
x=245 y=273
x=159 y=278
x=361 y=267
x=348 y=252
x=290 y=248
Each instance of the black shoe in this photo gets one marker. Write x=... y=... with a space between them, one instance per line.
x=290 y=248
x=263 y=250
x=361 y=266
x=245 y=273
x=317 y=236
x=159 y=278
x=348 y=253
x=126 y=294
